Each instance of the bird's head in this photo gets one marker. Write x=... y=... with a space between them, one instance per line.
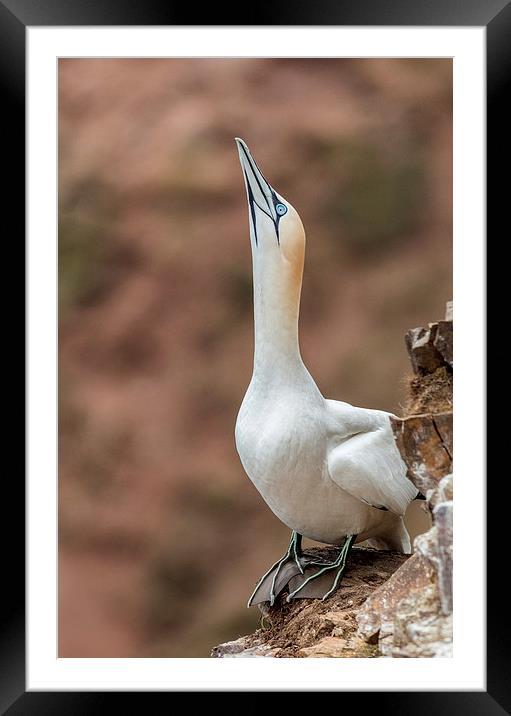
x=276 y=231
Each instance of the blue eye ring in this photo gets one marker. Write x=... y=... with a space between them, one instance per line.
x=281 y=209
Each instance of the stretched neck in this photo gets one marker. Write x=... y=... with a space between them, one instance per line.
x=277 y=288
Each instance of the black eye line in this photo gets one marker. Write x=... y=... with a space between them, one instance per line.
x=252 y=201
x=277 y=221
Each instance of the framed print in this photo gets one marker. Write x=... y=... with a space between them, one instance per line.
x=159 y=160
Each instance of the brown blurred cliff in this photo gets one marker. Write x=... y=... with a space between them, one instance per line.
x=161 y=534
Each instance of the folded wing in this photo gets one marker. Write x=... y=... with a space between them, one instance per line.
x=364 y=460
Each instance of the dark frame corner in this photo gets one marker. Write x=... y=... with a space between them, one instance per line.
x=15 y=17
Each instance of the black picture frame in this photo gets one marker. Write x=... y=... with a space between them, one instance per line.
x=15 y=17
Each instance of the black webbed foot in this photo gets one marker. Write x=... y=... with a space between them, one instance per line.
x=273 y=582
x=304 y=576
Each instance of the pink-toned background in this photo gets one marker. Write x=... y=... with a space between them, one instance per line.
x=161 y=534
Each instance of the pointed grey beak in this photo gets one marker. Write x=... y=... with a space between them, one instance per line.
x=260 y=194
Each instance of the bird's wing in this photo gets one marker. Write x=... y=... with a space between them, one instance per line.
x=364 y=459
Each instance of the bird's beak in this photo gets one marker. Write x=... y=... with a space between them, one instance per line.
x=260 y=194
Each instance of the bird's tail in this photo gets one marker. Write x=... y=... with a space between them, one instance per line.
x=393 y=536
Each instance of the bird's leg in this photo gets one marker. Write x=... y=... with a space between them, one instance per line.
x=339 y=564
x=346 y=549
x=294 y=552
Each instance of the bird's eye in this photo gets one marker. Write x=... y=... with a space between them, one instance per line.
x=281 y=209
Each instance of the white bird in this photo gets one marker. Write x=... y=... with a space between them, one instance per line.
x=328 y=470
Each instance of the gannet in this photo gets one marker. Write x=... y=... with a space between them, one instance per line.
x=328 y=470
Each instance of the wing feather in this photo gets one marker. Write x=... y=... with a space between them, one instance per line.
x=364 y=459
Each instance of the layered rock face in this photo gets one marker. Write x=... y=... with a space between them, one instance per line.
x=411 y=615
x=388 y=605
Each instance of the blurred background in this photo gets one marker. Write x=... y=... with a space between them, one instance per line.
x=162 y=537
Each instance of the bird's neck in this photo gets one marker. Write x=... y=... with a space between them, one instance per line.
x=276 y=310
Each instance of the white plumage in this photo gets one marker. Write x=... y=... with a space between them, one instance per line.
x=327 y=469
